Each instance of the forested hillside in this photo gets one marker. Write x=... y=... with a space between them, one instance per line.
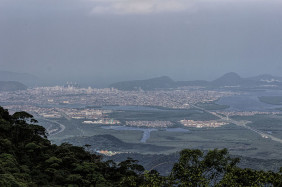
x=27 y=158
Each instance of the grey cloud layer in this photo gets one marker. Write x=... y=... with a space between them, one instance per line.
x=141 y=6
x=68 y=40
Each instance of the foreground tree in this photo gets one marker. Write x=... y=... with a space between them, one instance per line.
x=217 y=168
x=196 y=169
x=249 y=177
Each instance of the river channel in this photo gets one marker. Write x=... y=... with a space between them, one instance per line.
x=146 y=131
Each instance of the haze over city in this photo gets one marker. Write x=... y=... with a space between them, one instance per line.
x=100 y=42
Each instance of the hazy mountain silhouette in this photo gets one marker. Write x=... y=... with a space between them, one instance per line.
x=11 y=86
x=25 y=78
x=227 y=80
x=148 y=84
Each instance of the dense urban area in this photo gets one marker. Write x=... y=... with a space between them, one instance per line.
x=87 y=104
x=50 y=96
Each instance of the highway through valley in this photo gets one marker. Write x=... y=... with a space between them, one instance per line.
x=241 y=124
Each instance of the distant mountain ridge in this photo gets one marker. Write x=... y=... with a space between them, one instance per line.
x=13 y=76
x=227 y=80
x=163 y=82
x=11 y=86
x=24 y=78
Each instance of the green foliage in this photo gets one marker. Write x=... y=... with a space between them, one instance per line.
x=27 y=158
x=153 y=179
x=8 y=163
x=248 y=177
x=217 y=168
x=272 y=100
x=10 y=180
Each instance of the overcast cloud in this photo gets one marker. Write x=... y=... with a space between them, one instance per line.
x=141 y=6
x=102 y=41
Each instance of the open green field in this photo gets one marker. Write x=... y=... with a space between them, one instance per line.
x=165 y=115
x=162 y=146
x=239 y=140
x=271 y=124
x=75 y=128
x=272 y=100
x=211 y=106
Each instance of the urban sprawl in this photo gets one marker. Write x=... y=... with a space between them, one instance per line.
x=83 y=104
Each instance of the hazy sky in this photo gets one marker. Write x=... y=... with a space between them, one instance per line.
x=104 y=41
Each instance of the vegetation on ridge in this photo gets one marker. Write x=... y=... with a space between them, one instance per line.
x=27 y=158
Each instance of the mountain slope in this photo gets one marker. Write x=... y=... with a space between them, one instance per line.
x=13 y=76
x=11 y=86
x=148 y=84
x=266 y=78
x=227 y=80
x=25 y=78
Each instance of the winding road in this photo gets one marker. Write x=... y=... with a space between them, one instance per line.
x=241 y=124
x=62 y=127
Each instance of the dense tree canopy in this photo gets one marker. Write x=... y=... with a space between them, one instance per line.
x=27 y=158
